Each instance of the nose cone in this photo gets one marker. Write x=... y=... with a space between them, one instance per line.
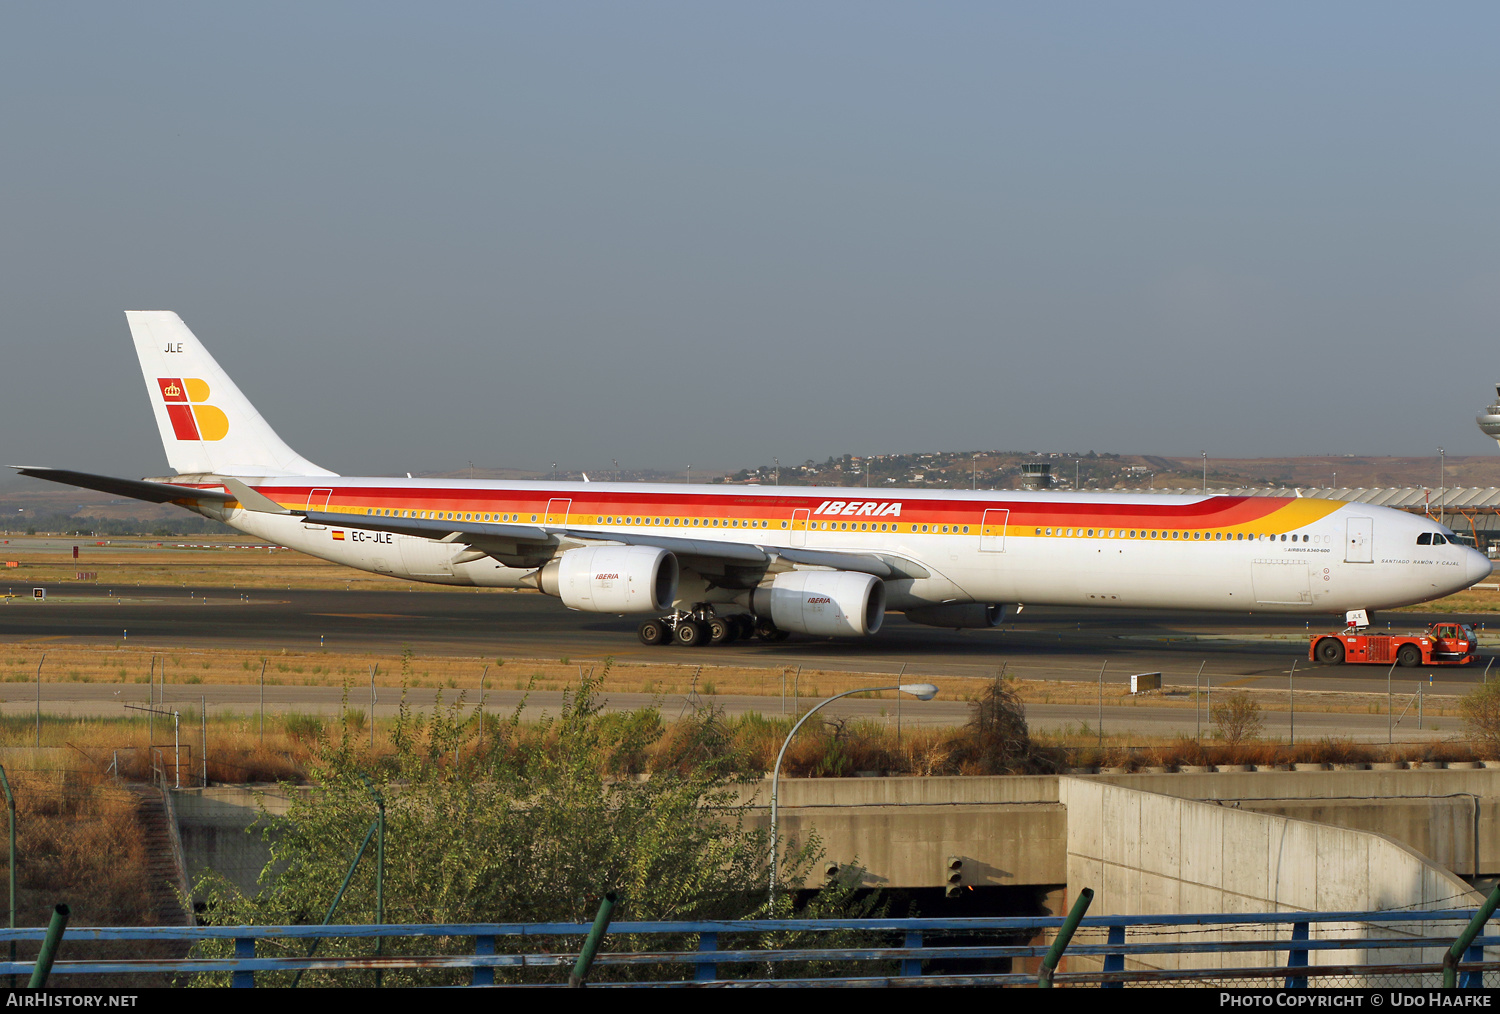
x=1477 y=565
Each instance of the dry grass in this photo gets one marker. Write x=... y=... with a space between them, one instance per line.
x=125 y=665
x=161 y=563
x=132 y=664
x=1085 y=752
x=79 y=841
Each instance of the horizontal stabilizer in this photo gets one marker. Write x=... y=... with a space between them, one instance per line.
x=135 y=489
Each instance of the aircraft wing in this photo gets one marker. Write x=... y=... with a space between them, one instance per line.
x=136 y=489
x=508 y=541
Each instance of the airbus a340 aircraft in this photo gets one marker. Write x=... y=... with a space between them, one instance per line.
x=712 y=563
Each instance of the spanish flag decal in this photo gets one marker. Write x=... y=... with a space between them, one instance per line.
x=338 y=536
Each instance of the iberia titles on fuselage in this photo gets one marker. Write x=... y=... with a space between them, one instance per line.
x=778 y=559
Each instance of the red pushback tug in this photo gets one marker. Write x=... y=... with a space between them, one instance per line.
x=1444 y=643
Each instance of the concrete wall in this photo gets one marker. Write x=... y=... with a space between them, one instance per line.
x=1010 y=830
x=1451 y=816
x=217 y=833
x=1145 y=853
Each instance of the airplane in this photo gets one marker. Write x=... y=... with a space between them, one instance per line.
x=713 y=563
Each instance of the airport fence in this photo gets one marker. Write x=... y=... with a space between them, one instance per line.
x=1400 y=949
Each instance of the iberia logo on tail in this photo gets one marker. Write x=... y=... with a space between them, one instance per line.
x=191 y=419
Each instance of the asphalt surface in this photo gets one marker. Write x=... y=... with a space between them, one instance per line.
x=1233 y=650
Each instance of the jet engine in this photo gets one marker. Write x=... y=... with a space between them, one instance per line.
x=831 y=603
x=956 y=615
x=612 y=579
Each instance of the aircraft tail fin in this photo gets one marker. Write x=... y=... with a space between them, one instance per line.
x=206 y=424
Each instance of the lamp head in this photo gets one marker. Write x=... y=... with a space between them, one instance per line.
x=921 y=691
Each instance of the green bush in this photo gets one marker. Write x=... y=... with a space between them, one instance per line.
x=532 y=829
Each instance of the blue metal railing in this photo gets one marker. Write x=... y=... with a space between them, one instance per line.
x=1155 y=943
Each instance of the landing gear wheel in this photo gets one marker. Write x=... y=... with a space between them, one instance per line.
x=745 y=625
x=1409 y=656
x=653 y=632
x=722 y=630
x=691 y=633
x=1331 y=651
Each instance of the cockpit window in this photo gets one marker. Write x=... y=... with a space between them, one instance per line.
x=1438 y=539
x=1425 y=539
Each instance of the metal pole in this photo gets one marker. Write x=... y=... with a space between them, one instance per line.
x=39 y=700
x=1420 y=699
x=176 y=749
x=49 y=947
x=1197 y=716
x=1101 y=702
x=1450 y=960
x=899 y=676
x=1442 y=484
x=592 y=941
x=10 y=805
x=1292 y=704
x=481 y=708
x=372 y=703
x=1064 y=936
x=203 y=726
x=1390 y=707
x=340 y=896
x=379 y=879
x=262 y=700
x=151 y=702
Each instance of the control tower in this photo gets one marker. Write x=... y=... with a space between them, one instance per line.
x=1489 y=419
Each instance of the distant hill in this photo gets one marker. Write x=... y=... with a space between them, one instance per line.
x=1002 y=470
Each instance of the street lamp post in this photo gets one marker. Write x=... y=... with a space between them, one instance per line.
x=1205 y=470
x=921 y=691
x=778 y=470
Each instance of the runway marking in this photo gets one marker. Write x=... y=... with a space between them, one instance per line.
x=368 y=616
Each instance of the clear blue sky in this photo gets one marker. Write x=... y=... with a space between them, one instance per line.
x=420 y=234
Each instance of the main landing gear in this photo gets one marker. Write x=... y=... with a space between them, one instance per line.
x=703 y=626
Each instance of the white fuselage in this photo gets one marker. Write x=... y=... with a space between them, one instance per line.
x=1121 y=550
